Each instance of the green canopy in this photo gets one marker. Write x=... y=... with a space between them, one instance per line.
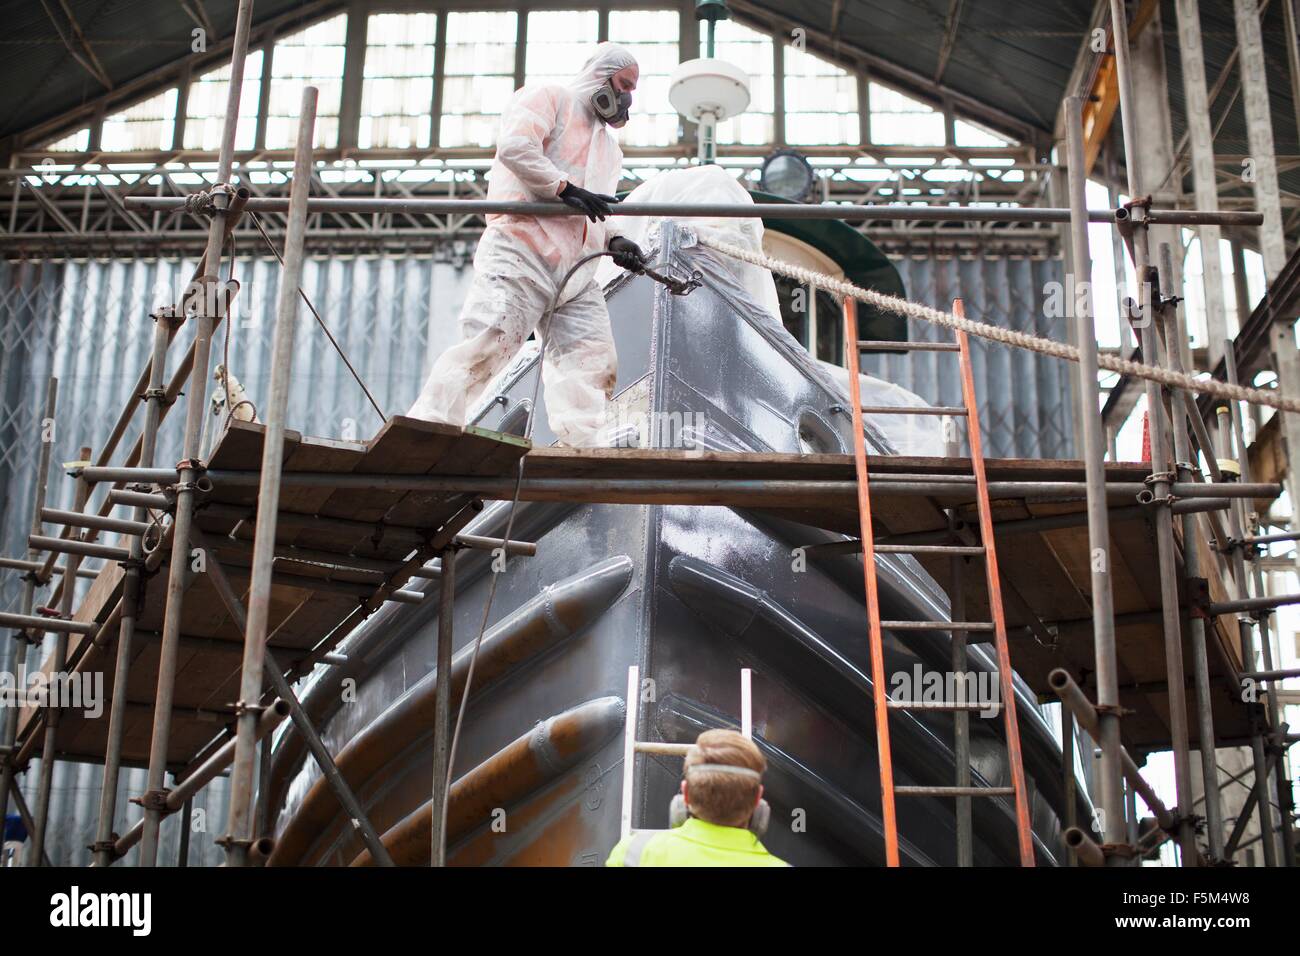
x=860 y=258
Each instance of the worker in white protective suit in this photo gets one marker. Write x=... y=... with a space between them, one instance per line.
x=554 y=142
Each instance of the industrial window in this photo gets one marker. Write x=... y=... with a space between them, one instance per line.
x=205 y=107
x=559 y=42
x=898 y=120
x=821 y=101
x=652 y=37
x=397 y=89
x=311 y=57
x=479 y=76
x=77 y=142
x=970 y=134
x=147 y=125
x=753 y=52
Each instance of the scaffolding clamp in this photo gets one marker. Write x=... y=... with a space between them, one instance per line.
x=201 y=482
x=1199 y=598
x=1142 y=202
x=155 y=800
x=106 y=846
x=227 y=842
x=207 y=202
x=242 y=707
x=1117 y=710
x=1125 y=851
x=158 y=395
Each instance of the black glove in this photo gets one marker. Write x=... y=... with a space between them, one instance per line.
x=595 y=205
x=627 y=254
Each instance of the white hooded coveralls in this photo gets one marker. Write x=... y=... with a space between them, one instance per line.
x=549 y=135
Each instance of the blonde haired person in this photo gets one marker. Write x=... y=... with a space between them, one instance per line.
x=718 y=816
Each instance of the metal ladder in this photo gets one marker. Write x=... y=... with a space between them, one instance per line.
x=632 y=746
x=883 y=703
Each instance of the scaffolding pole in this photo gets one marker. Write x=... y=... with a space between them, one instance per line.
x=845 y=212
x=131 y=593
x=1246 y=630
x=1111 y=789
x=30 y=580
x=178 y=571
x=1192 y=569
x=58 y=662
x=442 y=719
x=239 y=827
x=1161 y=477
x=274 y=675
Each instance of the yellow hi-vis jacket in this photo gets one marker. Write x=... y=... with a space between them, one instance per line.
x=694 y=843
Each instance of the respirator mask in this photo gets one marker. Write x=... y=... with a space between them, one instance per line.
x=610 y=105
x=678 y=812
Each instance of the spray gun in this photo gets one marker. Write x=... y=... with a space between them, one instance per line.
x=683 y=283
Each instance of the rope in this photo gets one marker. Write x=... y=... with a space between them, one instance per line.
x=203 y=202
x=321 y=322
x=1021 y=340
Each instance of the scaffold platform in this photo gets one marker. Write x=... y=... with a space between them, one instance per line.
x=358 y=521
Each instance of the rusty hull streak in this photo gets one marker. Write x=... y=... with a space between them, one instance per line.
x=482 y=847
x=532 y=761
x=556 y=846
x=557 y=613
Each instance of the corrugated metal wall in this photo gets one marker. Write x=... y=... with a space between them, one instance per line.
x=87 y=323
x=1025 y=399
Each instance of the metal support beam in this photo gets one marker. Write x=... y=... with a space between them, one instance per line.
x=1289 y=18
x=199 y=15
x=1154 y=148
x=354 y=74
x=1259 y=128
x=949 y=38
x=74 y=40
x=1196 y=96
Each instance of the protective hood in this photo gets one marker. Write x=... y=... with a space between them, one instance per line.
x=594 y=77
